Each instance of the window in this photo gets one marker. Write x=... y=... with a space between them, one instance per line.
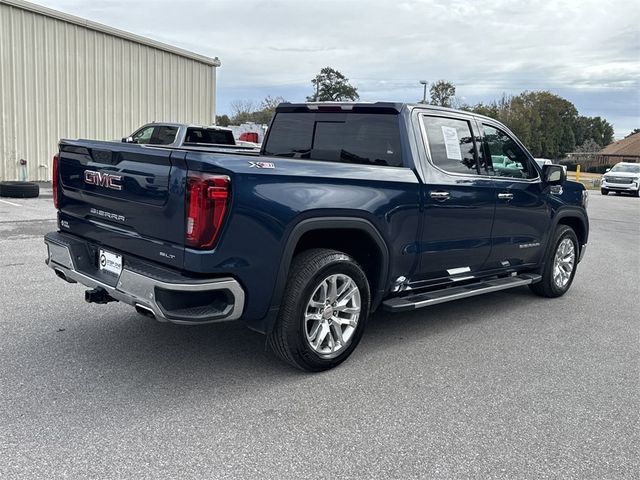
x=507 y=158
x=143 y=136
x=164 y=135
x=209 y=136
x=370 y=139
x=451 y=144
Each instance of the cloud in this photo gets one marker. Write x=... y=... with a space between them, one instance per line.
x=485 y=47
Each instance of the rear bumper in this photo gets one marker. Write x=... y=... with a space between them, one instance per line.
x=169 y=295
x=583 y=249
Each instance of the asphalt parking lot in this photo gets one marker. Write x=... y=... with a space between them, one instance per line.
x=501 y=386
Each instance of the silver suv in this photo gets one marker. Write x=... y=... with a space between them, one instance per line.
x=623 y=177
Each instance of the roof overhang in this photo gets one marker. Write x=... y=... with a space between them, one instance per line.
x=98 y=27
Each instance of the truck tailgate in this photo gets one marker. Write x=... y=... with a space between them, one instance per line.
x=125 y=197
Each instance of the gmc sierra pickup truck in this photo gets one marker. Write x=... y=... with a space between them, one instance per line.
x=349 y=208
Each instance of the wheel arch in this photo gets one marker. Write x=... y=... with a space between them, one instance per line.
x=316 y=233
x=577 y=220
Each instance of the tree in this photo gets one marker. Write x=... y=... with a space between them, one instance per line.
x=332 y=86
x=589 y=149
x=633 y=132
x=268 y=108
x=223 y=120
x=488 y=110
x=547 y=124
x=242 y=111
x=595 y=128
x=544 y=122
x=442 y=93
x=246 y=111
x=589 y=146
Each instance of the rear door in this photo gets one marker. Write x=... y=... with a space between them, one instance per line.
x=458 y=199
x=125 y=196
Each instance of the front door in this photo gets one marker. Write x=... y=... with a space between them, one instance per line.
x=522 y=213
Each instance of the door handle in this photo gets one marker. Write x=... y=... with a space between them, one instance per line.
x=440 y=195
x=505 y=196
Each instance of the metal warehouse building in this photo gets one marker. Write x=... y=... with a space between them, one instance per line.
x=65 y=77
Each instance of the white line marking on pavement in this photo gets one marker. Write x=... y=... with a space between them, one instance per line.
x=10 y=203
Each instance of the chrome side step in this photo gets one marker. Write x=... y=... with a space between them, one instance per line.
x=419 y=300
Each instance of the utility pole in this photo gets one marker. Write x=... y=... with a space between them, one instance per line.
x=424 y=93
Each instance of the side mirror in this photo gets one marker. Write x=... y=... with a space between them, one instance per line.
x=127 y=140
x=607 y=170
x=553 y=174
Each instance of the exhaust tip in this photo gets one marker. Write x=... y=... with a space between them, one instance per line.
x=60 y=274
x=145 y=311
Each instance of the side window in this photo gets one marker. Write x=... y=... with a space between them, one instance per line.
x=143 y=136
x=451 y=144
x=164 y=135
x=507 y=158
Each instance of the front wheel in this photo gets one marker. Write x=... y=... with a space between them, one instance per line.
x=560 y=265
x=604 y=191
x=324 y=310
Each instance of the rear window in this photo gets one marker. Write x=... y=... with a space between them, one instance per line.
x=209 y=136
x=363 y=138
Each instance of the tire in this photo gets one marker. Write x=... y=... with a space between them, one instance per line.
x=604 y=191
x=19 y=189
x=556 y=283
x=302 y=315
x=636 y=193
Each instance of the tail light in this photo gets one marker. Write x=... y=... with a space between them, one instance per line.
x=207 y=201
x=54 y=181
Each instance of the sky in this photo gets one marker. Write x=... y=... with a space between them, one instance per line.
x=585 y=51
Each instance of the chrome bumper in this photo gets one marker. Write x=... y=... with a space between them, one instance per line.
x=142 y=291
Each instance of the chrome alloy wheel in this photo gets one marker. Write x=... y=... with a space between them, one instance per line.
x=564 y=263
x=332 y=314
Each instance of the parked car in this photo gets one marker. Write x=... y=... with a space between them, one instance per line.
x=349 y=208
x=543 y=161
x=185 y=135
x=623 y=177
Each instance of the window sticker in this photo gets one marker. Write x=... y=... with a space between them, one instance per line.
x=451 y=143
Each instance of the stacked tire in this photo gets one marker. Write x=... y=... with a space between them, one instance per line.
x=19 y=189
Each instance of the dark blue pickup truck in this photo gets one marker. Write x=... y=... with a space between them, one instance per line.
x=348 y=208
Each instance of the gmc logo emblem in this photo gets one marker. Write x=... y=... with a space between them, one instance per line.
x=102 y=179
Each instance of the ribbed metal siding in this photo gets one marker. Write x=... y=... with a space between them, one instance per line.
x=60 y=80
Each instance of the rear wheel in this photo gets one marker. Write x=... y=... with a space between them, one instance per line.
x=604 y=191
x=560 y=264
x=324 y=310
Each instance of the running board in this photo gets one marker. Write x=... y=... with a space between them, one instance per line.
x=419 y=300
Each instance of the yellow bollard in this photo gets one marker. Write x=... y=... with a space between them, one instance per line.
x=577 y=173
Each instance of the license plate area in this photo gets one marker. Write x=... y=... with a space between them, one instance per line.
x=109 y=262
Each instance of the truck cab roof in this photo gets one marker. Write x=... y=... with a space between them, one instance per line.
x=371 y=107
